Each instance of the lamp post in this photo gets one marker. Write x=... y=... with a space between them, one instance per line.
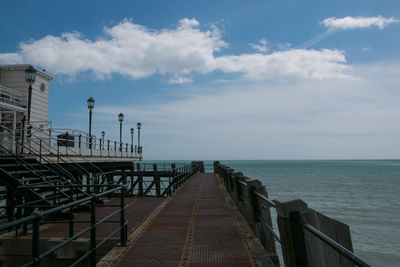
x=103 y=133
x=30 y=77
x=132 y=131
x=90 y=104
x=121 y=119
x=139 y=126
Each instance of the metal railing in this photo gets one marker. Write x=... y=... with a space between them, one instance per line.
x=37 y=218
x=35 y=148
x=239 y=185
x=77 y=143
x=11 y=96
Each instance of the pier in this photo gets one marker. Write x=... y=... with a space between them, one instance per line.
x=192 y=219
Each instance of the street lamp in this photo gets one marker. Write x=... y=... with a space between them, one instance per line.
x=103 y=133
x=121 y=119
x=132 y=131
x=30 y=77
x=90 y=104
x=139 y=126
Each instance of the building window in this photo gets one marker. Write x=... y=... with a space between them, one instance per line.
x=42 y=87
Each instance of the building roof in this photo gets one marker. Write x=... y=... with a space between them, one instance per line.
x=41 y=72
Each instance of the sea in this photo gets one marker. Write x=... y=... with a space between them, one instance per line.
x=365 y=194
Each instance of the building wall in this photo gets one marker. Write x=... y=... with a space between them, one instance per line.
x=15 y=79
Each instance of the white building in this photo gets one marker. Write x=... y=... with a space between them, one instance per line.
x=14 y=96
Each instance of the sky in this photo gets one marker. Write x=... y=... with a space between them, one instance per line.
x=220 y=79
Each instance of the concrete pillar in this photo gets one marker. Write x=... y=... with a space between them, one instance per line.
x=292 y=235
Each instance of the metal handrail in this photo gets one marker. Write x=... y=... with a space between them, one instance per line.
x=266 y=199
x=241 y=182
x=38 y=154
x=86 y=161
x=37 y=216
x=124 y=146
x=56 y=209
x=333 y=244
x=269 y=228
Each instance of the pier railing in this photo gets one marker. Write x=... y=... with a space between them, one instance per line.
x=37 y=218
x=307 y=237
x=71 y=142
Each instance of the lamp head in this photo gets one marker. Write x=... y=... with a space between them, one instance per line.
x=90 y=103
x=121 y=117
x=30 y=75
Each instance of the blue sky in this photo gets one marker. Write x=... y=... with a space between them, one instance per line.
x=220 y=79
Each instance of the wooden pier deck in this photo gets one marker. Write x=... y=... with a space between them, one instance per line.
x=195 y=228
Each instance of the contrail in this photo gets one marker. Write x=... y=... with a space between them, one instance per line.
x=315 y=40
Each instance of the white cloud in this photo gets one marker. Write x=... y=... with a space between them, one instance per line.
x=307 y=119
x=129 y=49
x=348 y=23
x=138 y=52
x=294 y=64
x=180 y=80
x=262 y=47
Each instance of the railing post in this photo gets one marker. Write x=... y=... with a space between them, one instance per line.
x=157 y=180
x=132 y=179
x=24 y=226
x=92 y=258
x=91 y=146
x=124 y=183
x=36 y=238
x=124 y=229
x=108 y=147
x=50 y=136
x=80 y=144
x=115 y=148
x=58 y=154
x=140 y=181
x=88 y=189
x=237 y=194
x=40 y=150
x=71 y=223
x=291 y=233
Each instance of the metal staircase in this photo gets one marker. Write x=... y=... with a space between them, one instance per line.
x=28 y=180
x=28 y=183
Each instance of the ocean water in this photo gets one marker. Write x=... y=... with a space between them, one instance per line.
x=365 y=194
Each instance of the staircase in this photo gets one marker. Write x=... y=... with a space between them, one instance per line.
x=27 y=183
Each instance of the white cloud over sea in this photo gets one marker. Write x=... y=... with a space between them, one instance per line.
x=137 y=52
x=282 y=120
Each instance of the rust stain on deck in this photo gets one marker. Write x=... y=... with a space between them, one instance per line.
x=195 y=228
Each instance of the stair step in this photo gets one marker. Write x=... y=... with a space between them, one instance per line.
x=51 y=193
x=21 y=180
x=13 y=165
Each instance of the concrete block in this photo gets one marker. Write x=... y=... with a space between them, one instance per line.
x=286 y=205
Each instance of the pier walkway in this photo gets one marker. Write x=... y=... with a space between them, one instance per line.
x=194 y=228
